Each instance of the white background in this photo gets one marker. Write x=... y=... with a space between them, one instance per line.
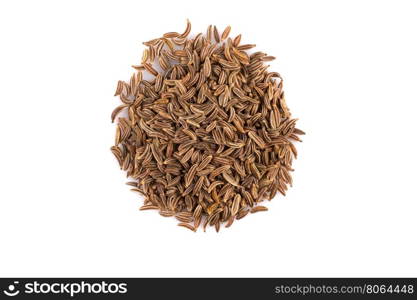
x=349 y=71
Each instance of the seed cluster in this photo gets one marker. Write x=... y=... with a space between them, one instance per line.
x=210 y=135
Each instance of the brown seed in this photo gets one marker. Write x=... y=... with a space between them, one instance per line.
x=214 y=184
x=198 y=185
x=148 y=207
x=119 y=88
x=268 y=58
x=165 y=213
x=207 y=67
x=236 y=204
x=230 y=221
x=170 y=35
x=187 y=156
x=187 y=226
x=236 y=40
x=148 y=67
x=116 y=111
x=258 y=208
x=225 y=33
x=257 y=139
x=190 y=175
x=246 y=47
x=187 y=30
x=230 y=179
x=209 y=33
x=216 y=35
x=184 y=219
x=204 y=163
x=242 y=214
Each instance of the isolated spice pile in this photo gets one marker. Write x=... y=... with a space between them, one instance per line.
x=209 y=136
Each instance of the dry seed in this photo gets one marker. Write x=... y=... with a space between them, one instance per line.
x=225 y=33
x=258 y=208
x=187 y=226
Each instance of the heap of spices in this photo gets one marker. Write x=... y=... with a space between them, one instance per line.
x=209 y=136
